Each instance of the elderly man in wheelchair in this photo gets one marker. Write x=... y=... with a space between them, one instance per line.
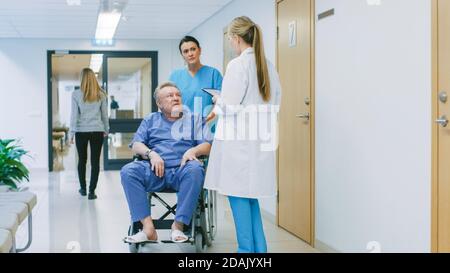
x=172 y=140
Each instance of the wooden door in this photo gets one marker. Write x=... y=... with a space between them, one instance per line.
x=295 y=164
x=443 y=129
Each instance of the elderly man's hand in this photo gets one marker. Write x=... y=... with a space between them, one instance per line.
x=189 y=155
x=157 y=164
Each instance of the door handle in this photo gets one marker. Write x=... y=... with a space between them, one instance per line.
x=304 y=116
x=443 y=97
x=443 y=121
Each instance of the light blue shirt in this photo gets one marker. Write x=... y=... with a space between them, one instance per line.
x=171 y=139
x=190 y=87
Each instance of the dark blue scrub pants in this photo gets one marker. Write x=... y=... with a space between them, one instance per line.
x=138 y=179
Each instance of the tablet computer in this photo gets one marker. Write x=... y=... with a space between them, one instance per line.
x=211 y=91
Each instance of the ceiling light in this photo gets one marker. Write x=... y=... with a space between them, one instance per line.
x=106 y=25
x=374 y=2
x=109 y=16
x=73 y=2
x=103 y=42
x=96 y=62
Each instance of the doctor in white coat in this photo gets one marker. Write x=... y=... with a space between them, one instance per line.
x=242 y=163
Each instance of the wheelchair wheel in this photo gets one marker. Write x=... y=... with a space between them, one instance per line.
x=199 y=242
x=211 y=206
x=205 y=229
x=134 y=248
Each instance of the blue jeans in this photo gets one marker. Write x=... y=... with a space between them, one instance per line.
x=138 y=179
x=249 y=227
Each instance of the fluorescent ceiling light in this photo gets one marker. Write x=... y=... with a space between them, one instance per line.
x=73 y=2
x=96 y=62
x=106 y=25
x=374 y=2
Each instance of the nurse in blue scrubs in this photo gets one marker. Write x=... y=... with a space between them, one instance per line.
x=195 y=76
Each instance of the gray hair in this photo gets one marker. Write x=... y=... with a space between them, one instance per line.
x=161 y=86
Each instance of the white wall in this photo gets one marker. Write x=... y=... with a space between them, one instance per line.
x=373 y=125
x=65 y=90
x=210 y=36
x=126 y=92
x=210 y=33
x=23 y=85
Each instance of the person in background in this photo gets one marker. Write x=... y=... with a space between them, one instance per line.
x=195 y=76
x=89 y=125
x=242 y=163
x=113 y=106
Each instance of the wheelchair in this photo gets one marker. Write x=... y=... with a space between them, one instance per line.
x=202 y=229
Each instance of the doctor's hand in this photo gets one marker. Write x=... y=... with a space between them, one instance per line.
x=157 y=164
x=189 y=155
x=210 y=117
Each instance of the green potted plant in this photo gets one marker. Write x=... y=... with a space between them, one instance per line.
x=12 y=170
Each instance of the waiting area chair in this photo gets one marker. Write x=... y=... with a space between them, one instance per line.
x=15 y=207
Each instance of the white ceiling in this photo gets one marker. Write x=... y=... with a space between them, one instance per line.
x=144 y=19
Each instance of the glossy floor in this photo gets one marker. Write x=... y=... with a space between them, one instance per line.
x=64 y=221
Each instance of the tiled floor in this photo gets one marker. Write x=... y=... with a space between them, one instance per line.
x=63 y=221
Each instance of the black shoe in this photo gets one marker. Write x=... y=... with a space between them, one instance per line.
x=82 y=192
x=92 y=196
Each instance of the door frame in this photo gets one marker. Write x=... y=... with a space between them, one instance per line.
x=124 y=125
x=312 y=111
x=127 y=53
x=434 y=126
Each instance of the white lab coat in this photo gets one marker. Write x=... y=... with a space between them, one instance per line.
x=241 y=164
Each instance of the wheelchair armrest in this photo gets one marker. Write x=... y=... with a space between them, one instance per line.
x=203 y=158
x=137 y=157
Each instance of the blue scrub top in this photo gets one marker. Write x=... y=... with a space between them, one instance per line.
x=171 y=139
x=191 y=87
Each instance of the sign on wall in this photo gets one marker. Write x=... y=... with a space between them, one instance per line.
x=292 y=34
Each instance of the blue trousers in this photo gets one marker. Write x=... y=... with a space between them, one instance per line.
x=248 y=222
x=138 y=179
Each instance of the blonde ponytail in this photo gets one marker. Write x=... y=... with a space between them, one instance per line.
x=261 y=65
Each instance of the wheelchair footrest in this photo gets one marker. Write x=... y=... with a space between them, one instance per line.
x=166 y=224
x=163 y=224
x=170 y=242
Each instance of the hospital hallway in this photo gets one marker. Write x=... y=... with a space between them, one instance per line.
x=335 y=115
x=64 y=221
